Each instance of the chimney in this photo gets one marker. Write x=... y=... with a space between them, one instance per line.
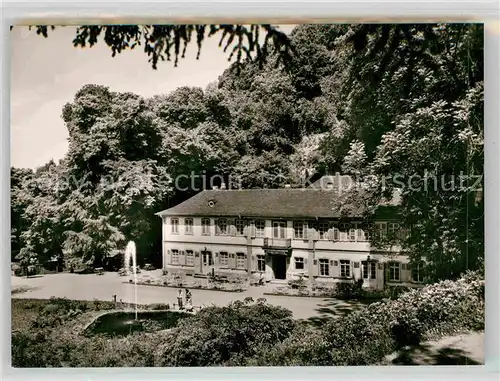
x=288 y=186
x=223 y=186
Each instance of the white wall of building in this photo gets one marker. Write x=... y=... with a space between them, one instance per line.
x=311 y=250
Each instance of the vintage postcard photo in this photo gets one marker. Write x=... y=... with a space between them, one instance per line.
x=247 y=195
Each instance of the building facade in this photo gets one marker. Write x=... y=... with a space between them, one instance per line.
x=279 y=235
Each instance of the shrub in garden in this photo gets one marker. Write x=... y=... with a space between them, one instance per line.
x=349 y=290
x=366 y=336
x=218 y=335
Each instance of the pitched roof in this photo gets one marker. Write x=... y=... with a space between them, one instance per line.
x=284 y=203
x=335 y=182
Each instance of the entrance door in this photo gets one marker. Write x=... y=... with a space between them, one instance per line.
x=279 y=266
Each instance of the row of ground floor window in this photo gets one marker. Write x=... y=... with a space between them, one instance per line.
x=286 y=267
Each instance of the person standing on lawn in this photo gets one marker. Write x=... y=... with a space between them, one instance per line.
x=189 y=304
x=180 y=298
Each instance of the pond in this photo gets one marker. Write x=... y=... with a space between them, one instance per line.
x=124 y=323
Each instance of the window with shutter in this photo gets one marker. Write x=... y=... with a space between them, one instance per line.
x=174 y=222
x=241 y=260
x=323 y=229
x=175 y=256
x=324 y=267
x=345 y=268
x=231 y=227
x=207 y=258
x=188 y=226
x=298 y=230
x=240 y=227
x=299 y=263
x=352 y=235
x=221 y=227
x=417 y=273
x=189 y=258
x=369 y=270
x=381 y=229
x=335 y=234
x=259 y=228
x=394 y=271
x=223 y=259
x=232 y=261
x=205 y=226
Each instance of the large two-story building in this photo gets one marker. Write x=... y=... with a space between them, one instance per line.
x=281 y=234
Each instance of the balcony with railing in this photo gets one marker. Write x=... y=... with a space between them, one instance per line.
x=277 y=243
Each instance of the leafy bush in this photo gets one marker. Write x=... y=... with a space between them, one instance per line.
x=349 y=290
x=366 y=336
x=224 y=335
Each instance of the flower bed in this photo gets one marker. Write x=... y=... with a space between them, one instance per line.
x=176 y=281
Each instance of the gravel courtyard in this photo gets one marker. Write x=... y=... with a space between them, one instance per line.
x=103 y=287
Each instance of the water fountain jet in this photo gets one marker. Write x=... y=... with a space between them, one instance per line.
x=130 y=255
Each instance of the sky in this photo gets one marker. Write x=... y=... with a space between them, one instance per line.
x=46 y=73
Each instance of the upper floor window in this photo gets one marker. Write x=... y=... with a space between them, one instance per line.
x=205 y=226
x=367 y=229
x=324 y=267
x=352 y=233
x=335 y=234
x=240 y=227
x=344 y=227
x=359 y=233
x=344 y=231
x=345 y=268
x=323 y=230
x=394 y=271
x=259 y=228
x=188 y=225
x=221 y=227
x=381 y=229
x=240 y=260
x=174 y=222
x=224 y=258
x=298 y=229
x=279 y=229
x=393 y=228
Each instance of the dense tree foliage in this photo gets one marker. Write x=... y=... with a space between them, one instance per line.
x=164 y=42
x=388 y=104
